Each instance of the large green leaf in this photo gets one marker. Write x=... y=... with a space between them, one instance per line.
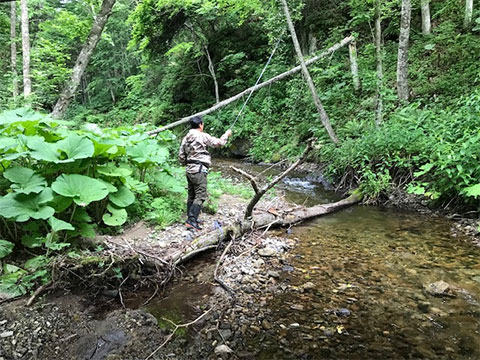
x=6 y=248
x=168 y=182
x=106 y=147
x=116 y=217
x=135 y=185
x=112 y=170
x=76 y=147
x=473 y=190
x=32 y=241
x=42 y=150
x=82 y=189
x=25 y=180
x=21 y=207
x=147 y=152
x=122 y=198
x=86 y=230
x=110 y=187
x=59 y=225
x=61 y=203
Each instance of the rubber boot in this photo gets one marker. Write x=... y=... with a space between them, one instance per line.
x=189 y=205
x=193 y=216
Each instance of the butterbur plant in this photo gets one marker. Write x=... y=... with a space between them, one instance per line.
x=58 y=184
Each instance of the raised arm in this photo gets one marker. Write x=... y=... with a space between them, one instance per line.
x=217 y=142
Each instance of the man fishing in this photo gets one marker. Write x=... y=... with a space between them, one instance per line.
x=194 y=154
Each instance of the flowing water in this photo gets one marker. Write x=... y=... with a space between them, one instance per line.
x=368 y=267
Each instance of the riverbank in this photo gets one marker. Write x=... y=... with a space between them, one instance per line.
x=94 y=325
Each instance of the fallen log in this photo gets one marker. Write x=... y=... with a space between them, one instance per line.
x=246 y=92
x=258 y=221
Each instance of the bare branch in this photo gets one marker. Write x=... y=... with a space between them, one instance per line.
x=175 y=330
x=248 y=176
x=258 y=195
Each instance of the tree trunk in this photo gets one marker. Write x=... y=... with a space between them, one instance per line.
x=313 y=44
x=379 y=56
x=27 y=82
x=246 y=92
x=352 y=49
x=82 y=60
x=211 y=68
x=468 y=14
x=402 y=63
x=13 y=47
x=308 y=78
x=426 y=24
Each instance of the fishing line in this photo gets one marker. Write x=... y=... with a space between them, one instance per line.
x=258 y=81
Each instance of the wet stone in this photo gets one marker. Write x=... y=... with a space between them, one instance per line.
x=342 y=312
x=226 y=334
x=439 y=288
x=423 y=306
x=266 y=324
x=267 y=252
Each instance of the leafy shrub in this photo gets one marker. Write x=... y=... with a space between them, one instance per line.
x=59 y=184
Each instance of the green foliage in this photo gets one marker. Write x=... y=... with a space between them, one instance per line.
x=58 y=182
x=439 y=147
x=6 y=248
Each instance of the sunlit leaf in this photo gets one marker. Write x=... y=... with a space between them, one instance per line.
x=82 y=189
x=25 y=180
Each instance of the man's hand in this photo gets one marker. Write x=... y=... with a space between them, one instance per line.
x=228 y=133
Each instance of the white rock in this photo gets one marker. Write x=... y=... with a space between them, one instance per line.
x=223 y=349
x=6 y=334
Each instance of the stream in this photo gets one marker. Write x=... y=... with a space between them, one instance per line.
x=366 y=268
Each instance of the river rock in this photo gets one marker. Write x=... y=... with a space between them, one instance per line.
x=273 y=274
x=222 y=350
x=266 y=324
x=308 y=286
x=423 y=306
x=225 y=334
x=342 y=312
x=267 y=252
x=297 y=307
x=6 y=334
x=440 y=288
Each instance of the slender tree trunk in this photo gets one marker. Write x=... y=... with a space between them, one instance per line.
x=379 y=56
x=426 y=24
x=262 y=85
x=211 y=68
x=82 y=60
x=27 y=82
x=352 y=49
x=313 y=44
x=308 y=78
x=402 y=63
x=13 y=47
x=468 y=13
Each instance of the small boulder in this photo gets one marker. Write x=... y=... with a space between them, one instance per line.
x=267 y=252
x=440 y=288
x=222 y=350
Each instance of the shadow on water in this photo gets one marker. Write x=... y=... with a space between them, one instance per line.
x=368 y=266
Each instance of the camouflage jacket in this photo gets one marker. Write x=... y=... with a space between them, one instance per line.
x=194 y=150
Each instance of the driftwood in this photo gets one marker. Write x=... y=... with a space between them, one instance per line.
x=246 y=92
x=260 y=192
